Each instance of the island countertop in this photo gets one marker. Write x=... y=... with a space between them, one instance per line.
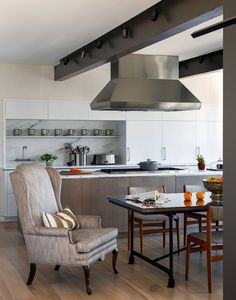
x=185 y=172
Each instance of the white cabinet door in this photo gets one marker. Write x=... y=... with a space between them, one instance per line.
x=179 y=142
x=144 y=115
x=210 y=140
x=11 y=206
x=179 y=116
x=107 y=115
x=143 y=140
x=68 y=110
x=10 y=209
x=27 y=109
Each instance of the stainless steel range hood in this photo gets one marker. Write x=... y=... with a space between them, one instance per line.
x=145 y=82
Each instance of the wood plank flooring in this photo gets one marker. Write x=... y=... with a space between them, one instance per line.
x=140 y=281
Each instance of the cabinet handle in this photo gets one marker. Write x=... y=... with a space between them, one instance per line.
x=163 y=153
x=197 y=151
x=128 y=153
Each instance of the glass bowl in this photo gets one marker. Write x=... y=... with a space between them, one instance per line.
x=216 y=189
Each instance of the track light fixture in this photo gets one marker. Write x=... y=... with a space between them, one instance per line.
x=66 y=60
x=125 y=33
x=99 y=44
x=83 y=54
x=155 y=15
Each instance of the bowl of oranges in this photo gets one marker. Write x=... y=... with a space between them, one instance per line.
x=215 y=186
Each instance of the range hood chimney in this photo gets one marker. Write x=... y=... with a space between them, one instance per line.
x=145 y=82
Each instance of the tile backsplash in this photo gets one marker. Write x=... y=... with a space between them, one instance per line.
x=37 y=144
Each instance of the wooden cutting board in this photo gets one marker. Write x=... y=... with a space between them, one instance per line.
x=76 y=173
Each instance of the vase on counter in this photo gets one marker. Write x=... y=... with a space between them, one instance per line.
x=201 y=166
x=49 y=163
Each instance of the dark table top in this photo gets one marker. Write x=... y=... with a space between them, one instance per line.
x=175 y=204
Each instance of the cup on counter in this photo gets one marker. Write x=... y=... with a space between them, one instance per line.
x=31 y=131
x=108 y=131
x=84 y=131
x=71 y=131
x=97 y=131
x=17 y=131
x=58 y=131
x=44 y=131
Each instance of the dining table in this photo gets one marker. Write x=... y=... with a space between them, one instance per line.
x=172 y=204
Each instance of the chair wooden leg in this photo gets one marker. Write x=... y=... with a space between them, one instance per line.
x=177 y=234
x=217 y=225
x=86 y=276
x=200 y=224
x=208 y=252
x=187 y=259
x=164 y=234
x=185 y=229
x=140 y=222
x=114 y=258
x=31 y=274
x=57 y=267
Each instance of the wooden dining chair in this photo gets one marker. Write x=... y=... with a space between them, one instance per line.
x=156 y=223
x=192 y=218
x=207 y=241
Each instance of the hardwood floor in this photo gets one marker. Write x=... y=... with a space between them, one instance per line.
x=140 y=281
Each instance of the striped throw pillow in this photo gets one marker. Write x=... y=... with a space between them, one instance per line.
x=63 y=219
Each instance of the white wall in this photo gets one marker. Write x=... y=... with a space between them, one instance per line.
x=36 y=82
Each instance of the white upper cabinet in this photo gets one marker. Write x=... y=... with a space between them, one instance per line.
x=143 y=141
x=210 y=140
x=144 y=115
x=210 y=112
x=106 y=115
x=68 y=110
x=179 y=115
x=178 y=142
x=26 y=109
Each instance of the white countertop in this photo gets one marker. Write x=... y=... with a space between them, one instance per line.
x=186 y=172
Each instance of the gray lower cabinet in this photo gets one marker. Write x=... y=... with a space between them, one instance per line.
x=89 y=196
x=180 y=181
x=94 y=193
x=71 y=195
x=154 y=181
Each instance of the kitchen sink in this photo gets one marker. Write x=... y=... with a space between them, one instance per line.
x=24 y=159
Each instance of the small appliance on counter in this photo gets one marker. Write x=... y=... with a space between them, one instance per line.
x=104 y=159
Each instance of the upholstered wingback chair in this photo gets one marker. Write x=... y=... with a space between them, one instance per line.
x=38 y=190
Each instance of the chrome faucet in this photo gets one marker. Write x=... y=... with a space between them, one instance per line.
x=24 y=148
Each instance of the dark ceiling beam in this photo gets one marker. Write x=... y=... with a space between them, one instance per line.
x=201 y=64
x=161 y=21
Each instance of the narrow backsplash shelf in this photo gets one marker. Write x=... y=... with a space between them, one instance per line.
x=62 y=136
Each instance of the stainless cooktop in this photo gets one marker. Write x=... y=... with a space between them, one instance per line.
x=127 y=170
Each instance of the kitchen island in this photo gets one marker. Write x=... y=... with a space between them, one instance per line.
x=87 y=193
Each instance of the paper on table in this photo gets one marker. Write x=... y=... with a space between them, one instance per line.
x=155 y=195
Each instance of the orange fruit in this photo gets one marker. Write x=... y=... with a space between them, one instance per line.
x=187 y=202
x=200 y=195
x=188 y=195
x=200 y=202
x=221 y=179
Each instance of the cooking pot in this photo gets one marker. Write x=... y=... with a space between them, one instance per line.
x=219 y=167
x=104 y=159
x=148 y=165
